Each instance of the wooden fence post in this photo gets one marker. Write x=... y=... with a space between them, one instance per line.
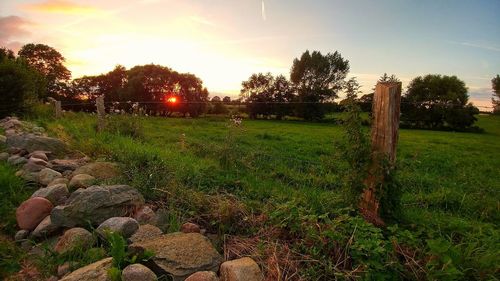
x=384 y=139
x=57 y=105
x=101 y=113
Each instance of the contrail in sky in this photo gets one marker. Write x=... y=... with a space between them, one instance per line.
x=263 y=10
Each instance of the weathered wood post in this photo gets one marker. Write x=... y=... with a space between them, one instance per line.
x=384 y=139
x=101 y=113
x=58 y=109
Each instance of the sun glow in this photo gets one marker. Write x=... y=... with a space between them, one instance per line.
x=172 y=100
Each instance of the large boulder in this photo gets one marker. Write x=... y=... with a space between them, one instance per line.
x=138 y=272
x=32 y=211
x=180 y=254
x=97 y=204
x=47 y=175
x=244 y=269
x=81 y=181
x=32 y=143
x=74 y=238
x=125 y=226
x=99 y=170
x=97 y=271
x=56 y=194
x=146 y=232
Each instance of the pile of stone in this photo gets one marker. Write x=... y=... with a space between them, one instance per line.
x=68 y=199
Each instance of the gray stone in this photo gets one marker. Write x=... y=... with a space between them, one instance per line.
x=45 y=229
x=97 y=271
x=62 y=165
x=33 y=143
x=32 y=167
x=125 y=226
x=97 y=204
x=146 y=232
x=3 y=139
x=57 y=194
x=99 y=170
x=145 y=215
x=4 y=156
x=81 y=181
x=244 y=269
x=180 y=254
x=138 y=272
x=16 y=160
x=21 y=235
x=47 y=175
x=74 y=238
x=38 y=161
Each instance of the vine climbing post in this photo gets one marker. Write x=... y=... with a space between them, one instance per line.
x=384 y=139
x=101 y=113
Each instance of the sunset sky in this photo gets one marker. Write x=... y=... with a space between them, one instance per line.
x=224 y=42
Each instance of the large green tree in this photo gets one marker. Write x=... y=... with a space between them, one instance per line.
x=436 y=102
x=495 y=85
x=318 y=78
x=50 y=63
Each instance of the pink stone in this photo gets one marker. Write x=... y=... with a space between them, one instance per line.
x=190 y=228
x=32 y=211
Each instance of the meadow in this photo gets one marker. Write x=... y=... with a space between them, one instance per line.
x=284 y=181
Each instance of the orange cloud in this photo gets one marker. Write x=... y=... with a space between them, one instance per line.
x=13 y=28
x=61 y=7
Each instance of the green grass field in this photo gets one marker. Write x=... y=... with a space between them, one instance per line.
x=287 y=171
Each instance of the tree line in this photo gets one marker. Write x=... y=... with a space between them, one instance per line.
x=316 y=80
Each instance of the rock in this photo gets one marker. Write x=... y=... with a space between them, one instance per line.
x=28 y=176
x=145 y=215
x=45 y=229
x=3 y=139
x=97 y=204
x=40 y=155
x=203 y=276
x=125 y=226
x=21 y=235
x=16 y=160
x=97 y=271
x=74 y=238
x=81 y=181
x=58 y=181
x=4 y=156
x=32 y=211
x=56 y=194
x=244 y=269
x=63 y=269
x=52 y=278
x=138 y=272
x=47 y=175
x=38 y=161
x=190 y=228
x=62 y=165
x=146 y=232
x=32 y=143
x=180 y=254
x=32 y=166
x=99 y=170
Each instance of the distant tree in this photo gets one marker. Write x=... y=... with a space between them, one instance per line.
x=495 y=84
x=49 y=62
x=216 y=99
x=258 y=93
x=283 y=94
x=387 y=78
x=6 y=54
x=436 y=102
x=20 y=86
x=111 y=84
x=226 y=100
x=318 y=78
x=365 y=102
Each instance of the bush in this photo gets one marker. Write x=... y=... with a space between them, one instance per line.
x=20 y=87
x=129 y=126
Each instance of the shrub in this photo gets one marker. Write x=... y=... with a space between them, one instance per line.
x=129 y=126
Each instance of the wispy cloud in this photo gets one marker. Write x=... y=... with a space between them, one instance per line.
x=263 y=10
x=202 y=20
x=475 y=45
x=61 y=7
x=12 y=28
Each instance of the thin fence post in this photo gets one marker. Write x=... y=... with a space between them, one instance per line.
x=58 y=109
x=101 y=113
x=384 y=139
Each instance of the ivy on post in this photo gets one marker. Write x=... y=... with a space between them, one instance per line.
x=101 y=113
x=384 y=139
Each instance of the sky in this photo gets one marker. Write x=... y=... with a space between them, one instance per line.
x=224 y=41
